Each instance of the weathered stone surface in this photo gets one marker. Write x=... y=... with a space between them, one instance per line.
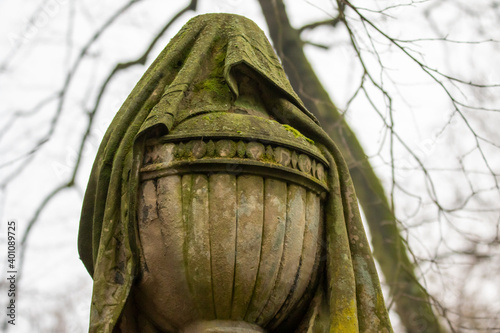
x=244 y=127
x=292 y=251
x=250 y=193
x=307 y=260
x=223 y=212
x=269 y=153
x=225 y=247
x=250 y=236
x=210 y=148
x=196 y=221
x=148 y=212
x=320 y=172
x=162 y=155
x=202 y=253
x=222 y=326
x=162 y=237
x=199 y=148
x=255 y=150
x=241 y=149
x=282 y=156
x=172 y=229
x=295 y=159
x=275 y=198
x=225 y=148
x=304 y=163
x=180 y=150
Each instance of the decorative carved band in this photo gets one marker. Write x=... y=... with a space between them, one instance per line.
x=194 y=154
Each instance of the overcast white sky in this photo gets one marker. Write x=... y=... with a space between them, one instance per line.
x=36 y=50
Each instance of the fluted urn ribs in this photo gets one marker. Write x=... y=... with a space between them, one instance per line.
x=250 y=219
x=195 y=205
x=162 y=223
x=240 y=223
x=234 y=247
x=222 y=193
x=275 y=212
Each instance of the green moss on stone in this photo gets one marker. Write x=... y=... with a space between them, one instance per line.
x=297 y=133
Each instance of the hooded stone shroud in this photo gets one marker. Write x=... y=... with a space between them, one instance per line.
x=203 y=69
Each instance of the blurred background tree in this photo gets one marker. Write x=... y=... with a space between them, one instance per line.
x=408 y=90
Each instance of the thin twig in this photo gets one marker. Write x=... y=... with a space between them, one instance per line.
x=68 y=80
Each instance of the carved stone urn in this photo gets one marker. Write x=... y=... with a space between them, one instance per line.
x=210 y=209
x=230 y=223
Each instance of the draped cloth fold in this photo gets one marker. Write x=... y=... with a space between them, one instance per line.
x=198 y=72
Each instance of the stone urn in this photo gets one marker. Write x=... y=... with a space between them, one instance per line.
x=230 y=224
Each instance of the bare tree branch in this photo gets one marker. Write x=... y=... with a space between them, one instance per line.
x=70 y=183
x=389 y=248
x=432 y=72
x=330 y=22
x=68 y=80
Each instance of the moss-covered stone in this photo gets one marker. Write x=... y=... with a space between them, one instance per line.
x=297 y=134
x=223 y=67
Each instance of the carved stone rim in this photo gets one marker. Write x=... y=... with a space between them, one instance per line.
x=211 y=166
x=231 y=126
x=234 y=157
x=237 y=137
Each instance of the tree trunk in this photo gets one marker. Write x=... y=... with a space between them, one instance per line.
x=410 y=298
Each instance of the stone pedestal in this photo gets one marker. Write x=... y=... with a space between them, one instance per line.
x=223 y=326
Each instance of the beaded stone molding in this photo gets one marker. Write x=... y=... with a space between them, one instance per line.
x=231 y=156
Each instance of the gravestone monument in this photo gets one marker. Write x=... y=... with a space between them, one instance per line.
x=216 y=202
